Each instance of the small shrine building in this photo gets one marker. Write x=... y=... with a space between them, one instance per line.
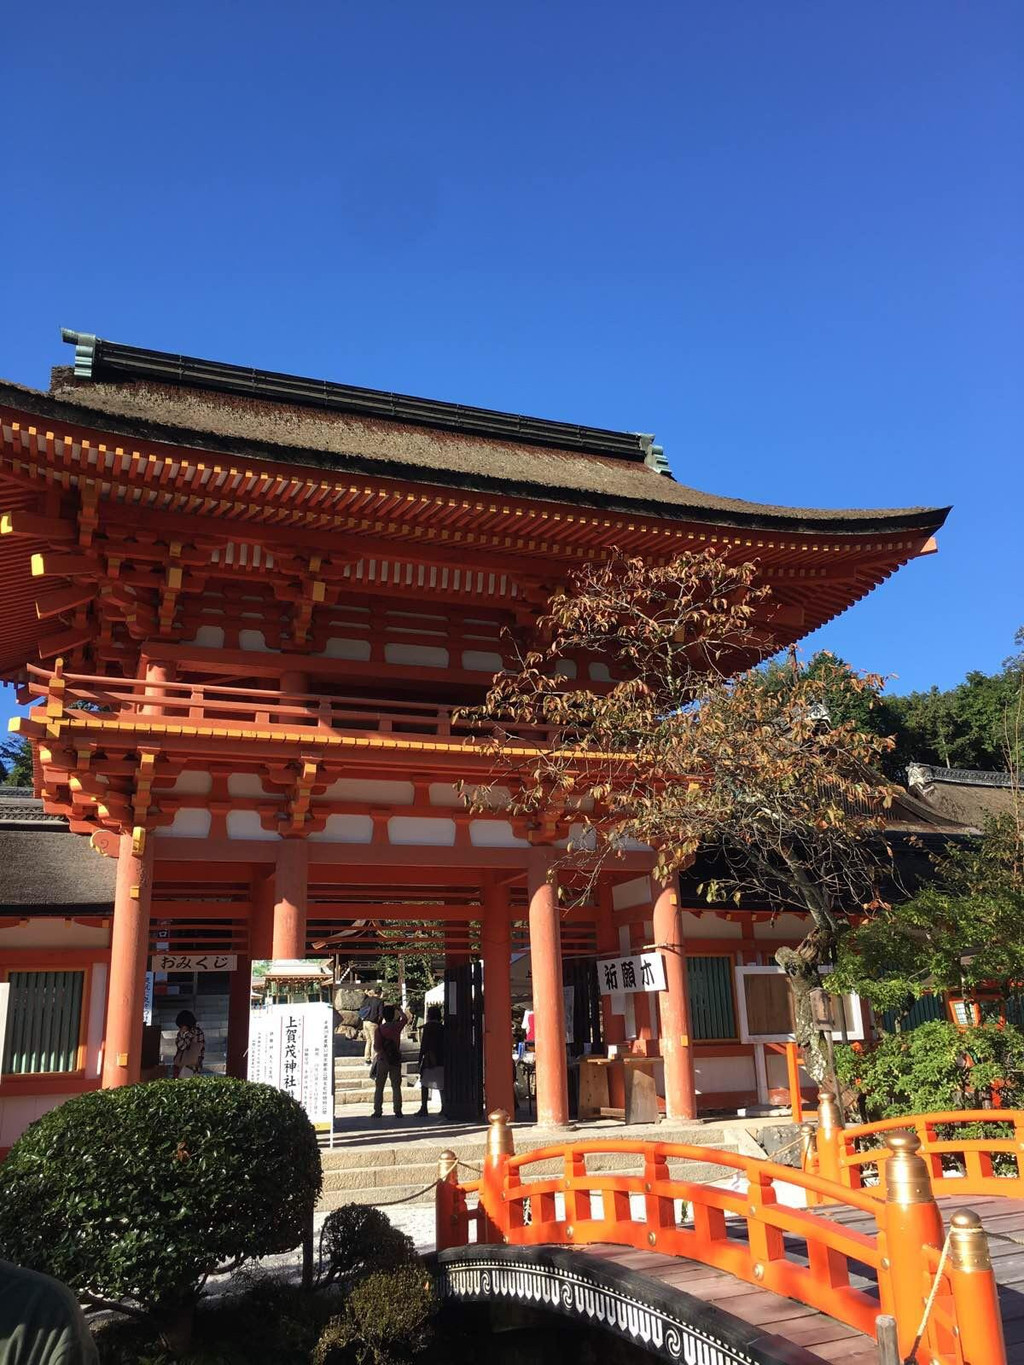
x=244 y=606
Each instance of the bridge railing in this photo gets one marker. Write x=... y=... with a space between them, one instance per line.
x=801 y=1253
x=967 y=1152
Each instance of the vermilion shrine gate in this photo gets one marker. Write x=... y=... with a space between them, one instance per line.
x=245 y=606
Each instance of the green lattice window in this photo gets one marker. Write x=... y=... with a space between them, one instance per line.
x=44 y=1022
x=712 y=1013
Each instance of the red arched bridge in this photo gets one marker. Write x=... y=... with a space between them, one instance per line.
x=873 y=1250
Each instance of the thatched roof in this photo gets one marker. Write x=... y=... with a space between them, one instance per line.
x=45 y=869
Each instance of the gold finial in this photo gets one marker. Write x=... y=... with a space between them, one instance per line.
x=906 y=1172
x=968 y=1242
x=499 y=1136
x=829 y=1116
x=448 y=1164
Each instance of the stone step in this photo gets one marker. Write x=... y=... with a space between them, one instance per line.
x=366 y=1186
x=471 y=1148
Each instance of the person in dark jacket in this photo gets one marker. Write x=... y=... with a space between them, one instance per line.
x=371 y=1013
x=387 y=1046
x=431 y=1058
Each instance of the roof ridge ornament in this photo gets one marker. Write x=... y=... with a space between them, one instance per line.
x=85 y=350
x=920 y=774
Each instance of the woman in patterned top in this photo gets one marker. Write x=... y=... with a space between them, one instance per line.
x=190 y=1046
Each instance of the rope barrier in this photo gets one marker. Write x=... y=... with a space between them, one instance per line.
x=930 y=1301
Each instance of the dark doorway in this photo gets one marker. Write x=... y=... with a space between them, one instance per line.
x=464 y=1042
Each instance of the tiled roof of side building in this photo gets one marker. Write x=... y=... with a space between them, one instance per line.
x=179 y=402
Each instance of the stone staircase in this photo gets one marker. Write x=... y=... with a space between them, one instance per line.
x=400 y=1163
x=352 y=1084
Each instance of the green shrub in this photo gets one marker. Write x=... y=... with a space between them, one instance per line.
x=134 y=1196
x=357 y=1240
x=936 y=1067
x=388 y=1319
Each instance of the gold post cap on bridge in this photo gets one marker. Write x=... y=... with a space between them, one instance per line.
x=447 y=1164
x=907 y=1180
x=968 y=1242
x=829 y=1114
x=499 y=1135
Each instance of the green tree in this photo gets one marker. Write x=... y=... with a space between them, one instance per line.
x=691 y=753
x=416 y=947
x=16 y=758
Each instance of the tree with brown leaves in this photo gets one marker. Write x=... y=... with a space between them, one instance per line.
x=689 y=750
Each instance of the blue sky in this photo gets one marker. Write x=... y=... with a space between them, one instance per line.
x=785 y=237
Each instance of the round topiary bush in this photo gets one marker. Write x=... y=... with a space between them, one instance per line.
x=358 y=1240
x=134 y=1196
x=388 y=1319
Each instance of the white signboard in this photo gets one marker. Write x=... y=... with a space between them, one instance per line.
x=292 y=1047
x=644 y=972
x=194 y=962
x=147 y=1000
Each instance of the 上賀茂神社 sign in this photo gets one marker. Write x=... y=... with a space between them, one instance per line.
x=292 y=1047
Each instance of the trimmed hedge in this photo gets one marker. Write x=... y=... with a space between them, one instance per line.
x=135 y=1195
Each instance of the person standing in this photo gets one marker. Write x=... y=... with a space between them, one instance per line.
x=371 y=1012
x=387 y=1045
x=431 y=1058
x=190 y=1046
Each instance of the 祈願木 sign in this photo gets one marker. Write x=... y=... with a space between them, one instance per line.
x=641 y=972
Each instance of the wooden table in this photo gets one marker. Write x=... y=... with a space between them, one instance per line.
x=640 y=1082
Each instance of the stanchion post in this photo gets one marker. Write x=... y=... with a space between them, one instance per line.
x=829 y=1139
x=492 y=1220
x=888 y=1340
x=975 y=1291
x=910 y=1221
x=451 y=1224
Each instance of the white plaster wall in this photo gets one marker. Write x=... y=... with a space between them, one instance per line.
x=18 y=1111
x=373 y=793
x=345 y=829
x=785 y=927
x=429 y=656
x=95 y=1024
x=53 y=933
x=495 y=834
x=339 y=647
x=445 y=794
x=211 y=637
x=724 y=1073
x=246 y=784
x=696 y=927
x=778 y=1073
x=190 y=822
x=482 y=661
x=256 y=641
x=191 y=783
x=421 y=829
x=245 y=824
x=636 y=892
x=599 y=672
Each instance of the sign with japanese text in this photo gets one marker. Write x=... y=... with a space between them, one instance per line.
x=147 y=1000
x=292 y=1047
x=194 y=962
x=644 y=972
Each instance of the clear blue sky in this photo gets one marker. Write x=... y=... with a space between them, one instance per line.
x=786 y=237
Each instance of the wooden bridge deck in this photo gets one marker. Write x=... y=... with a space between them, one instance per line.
x=799 y=1335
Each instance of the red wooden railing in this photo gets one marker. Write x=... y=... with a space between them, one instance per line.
x=802 y=1253
x=208 y=706
x=964 y=1163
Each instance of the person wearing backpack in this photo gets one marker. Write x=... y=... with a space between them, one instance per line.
x=387 y=1045
x=371 y=1012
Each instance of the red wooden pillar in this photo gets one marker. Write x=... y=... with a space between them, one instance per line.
x=261 y=919
x=239 y=993
x=680 y=1094
x=290 y=891
x=613 y=1026
x=157 y=673
x=548 y=1000
x=129 y=949
x=496 y=943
